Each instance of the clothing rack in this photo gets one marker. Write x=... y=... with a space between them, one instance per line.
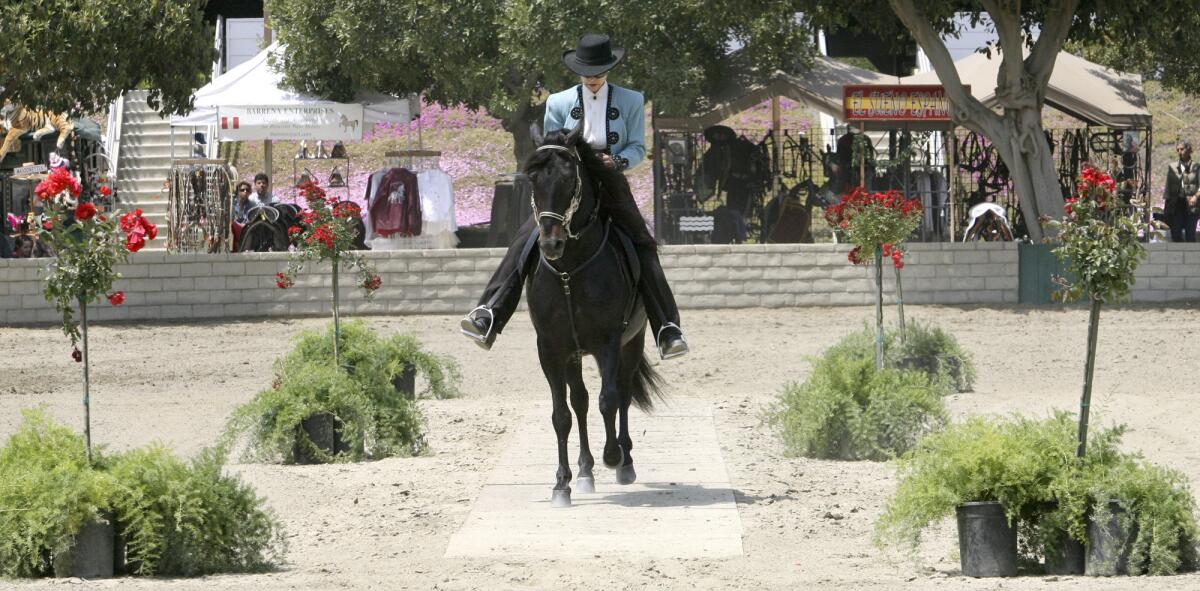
x=413 y=160
x=199 y=205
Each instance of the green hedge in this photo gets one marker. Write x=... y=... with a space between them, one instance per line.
x=175 y=517
x=849 y=410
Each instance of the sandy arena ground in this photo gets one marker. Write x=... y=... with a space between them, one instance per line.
x=806 y=524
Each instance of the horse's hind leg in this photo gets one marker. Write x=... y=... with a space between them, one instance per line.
x=555 y=369
x=631 y=357
x=609 y=360
x=584 y=482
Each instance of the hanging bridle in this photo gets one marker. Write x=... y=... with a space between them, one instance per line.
x=576 y=197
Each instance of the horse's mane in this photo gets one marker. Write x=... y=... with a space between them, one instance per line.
x=609 y=181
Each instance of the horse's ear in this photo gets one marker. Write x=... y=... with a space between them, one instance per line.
x=535 y=132
x=573 y=137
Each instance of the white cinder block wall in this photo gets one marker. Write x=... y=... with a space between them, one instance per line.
x=162 y=286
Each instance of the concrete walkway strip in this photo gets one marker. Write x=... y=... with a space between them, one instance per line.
x=681 y=506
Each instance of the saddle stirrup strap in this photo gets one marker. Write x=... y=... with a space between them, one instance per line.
x=523 y=262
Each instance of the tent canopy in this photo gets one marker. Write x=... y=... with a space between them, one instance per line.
x=820 y=87
x=1088 y=91
x=255 y=83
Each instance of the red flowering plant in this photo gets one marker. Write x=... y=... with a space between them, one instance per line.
x=876 y=223
x=87 y=245
x=1098 y=245
x=327 y=233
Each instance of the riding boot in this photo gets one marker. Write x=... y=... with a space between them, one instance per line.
x=502 y=294
x=661 y=310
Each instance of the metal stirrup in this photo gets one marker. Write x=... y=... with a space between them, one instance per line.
x=658 y=335
x=491 y=325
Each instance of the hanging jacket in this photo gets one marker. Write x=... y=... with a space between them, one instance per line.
x=396 y=207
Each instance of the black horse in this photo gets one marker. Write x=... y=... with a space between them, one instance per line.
x=266 y=229
x=583 y=300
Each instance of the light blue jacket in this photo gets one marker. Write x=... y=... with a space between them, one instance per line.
x=626 y=120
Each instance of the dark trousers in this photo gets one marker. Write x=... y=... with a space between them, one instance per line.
x=1183 y=224
x=503 y=291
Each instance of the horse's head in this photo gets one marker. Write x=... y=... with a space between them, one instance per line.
x=557 y=171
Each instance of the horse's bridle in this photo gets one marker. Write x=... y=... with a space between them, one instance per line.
x=576 y=197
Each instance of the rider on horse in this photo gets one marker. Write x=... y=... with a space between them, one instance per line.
x=613 y=120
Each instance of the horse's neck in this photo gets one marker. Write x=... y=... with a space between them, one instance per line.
x=582 y=248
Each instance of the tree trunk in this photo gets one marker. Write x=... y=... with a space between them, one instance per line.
x=1023 y=146
x=878 y=307
x=518 y=125
x=87 y=390
x=1085 y=402
x=337 y=328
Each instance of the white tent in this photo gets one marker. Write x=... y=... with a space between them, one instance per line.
x=249 y=102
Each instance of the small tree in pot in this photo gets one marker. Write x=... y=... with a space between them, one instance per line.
x=328 y=234
x=876 y=223
x=1100 y=248
x=88 y=245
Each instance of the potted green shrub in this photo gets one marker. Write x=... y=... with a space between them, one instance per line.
x=319 y=412
x=172 y=517
x=848 y=409
x=991 y=474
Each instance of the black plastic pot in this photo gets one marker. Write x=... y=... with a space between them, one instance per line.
x=325 y=431
x=987 y=544
x=1065 y=557
x=1108 y=540
x=93 y=554
x=405 y=382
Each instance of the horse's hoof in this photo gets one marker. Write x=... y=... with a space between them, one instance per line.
x=560 y=498
x=616 y=462
x=585 y=484
x=626 y=475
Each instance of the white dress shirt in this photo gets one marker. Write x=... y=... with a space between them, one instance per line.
x=595 y=114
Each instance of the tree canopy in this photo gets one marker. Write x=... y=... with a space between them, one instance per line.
x=501 y=54
x=80 y=55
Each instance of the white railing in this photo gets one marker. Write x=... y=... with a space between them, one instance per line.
x=112 y=139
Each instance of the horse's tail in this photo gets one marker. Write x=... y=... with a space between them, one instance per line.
x=647 y=385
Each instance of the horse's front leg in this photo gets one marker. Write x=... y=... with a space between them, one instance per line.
x=554 y=366
x=585 y=482
x=609 y=361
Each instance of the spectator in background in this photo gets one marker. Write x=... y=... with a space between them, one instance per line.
x=28 y=248
x=1180 y=207
x=241 y=202
x=262 y=190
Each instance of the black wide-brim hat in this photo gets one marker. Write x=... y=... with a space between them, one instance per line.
x=593 y=55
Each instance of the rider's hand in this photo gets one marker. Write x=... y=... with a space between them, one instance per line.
x=608 y=161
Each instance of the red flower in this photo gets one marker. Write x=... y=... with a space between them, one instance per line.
x=346 y=210
x=77 y=355
x=47 y=225
x=854 y=256
x=59 y=180
x=294 y=230
x=898 y=259
x=105 y=190
x=84 y=211
x=283 y=281
x=116 y=298
x=150 y=229
x=373 y=283
x=134 y=242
